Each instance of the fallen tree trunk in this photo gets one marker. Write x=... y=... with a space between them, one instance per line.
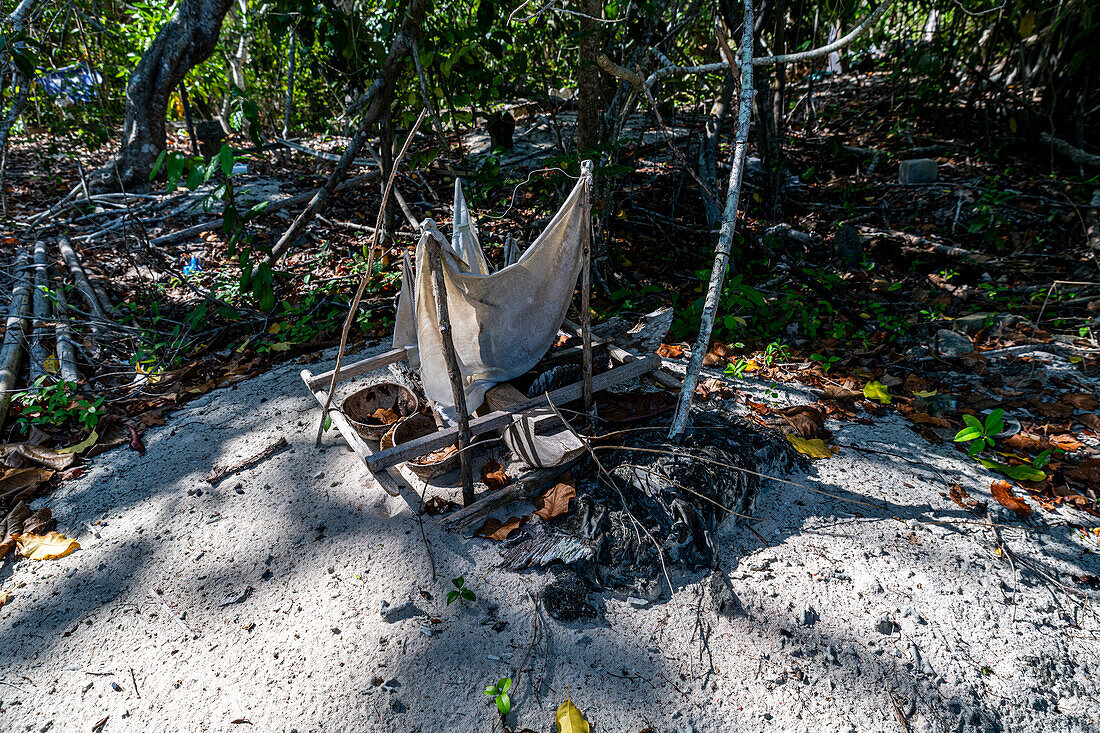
x=15 y=335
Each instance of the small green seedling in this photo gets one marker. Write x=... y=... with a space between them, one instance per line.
x=981 y=435
x=826 y=362
x=461 y=592
x=500 y=692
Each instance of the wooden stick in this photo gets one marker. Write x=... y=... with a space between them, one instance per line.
x=586 y=307
x=439 y=295
x=218 y=474
x=366 y=275
x=42 y=310
x=725 y=237
x=11 y=352
x=63 y=337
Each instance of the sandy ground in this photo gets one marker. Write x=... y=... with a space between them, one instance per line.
x=255 y=605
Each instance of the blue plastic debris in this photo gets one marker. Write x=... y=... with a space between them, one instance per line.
x=76 y=83
x=193 y=266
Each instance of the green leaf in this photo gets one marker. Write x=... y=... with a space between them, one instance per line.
x=458 y=582
x=468 y=594
x=504 y=703
x=975 y=448
x=994 y=422
x=158 y=164
x=225 y=158
x=968 y=433
x=505 y=684
x=1042 y=459
x=452 y=597
x=972 y=422
x=492 y=690
x=1019 y=473
x=877 y=391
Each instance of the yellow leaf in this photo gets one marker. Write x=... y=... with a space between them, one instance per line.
x=4 y=598
x=812 y=447
x=49 y=546
x=877 y=391
x=52 y=365
x=570 y=719
x=1027 y=25
x=281 y=346
x=1013 y=126
x=274 y=328
x=751 y=366
x=925 y=395
x=82 y=445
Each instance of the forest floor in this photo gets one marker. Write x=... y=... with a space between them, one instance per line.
x=880 y=604
x=945 y=605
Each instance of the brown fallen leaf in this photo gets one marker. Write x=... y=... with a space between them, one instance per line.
x=807 y=421
x=18 y=455
x=493 y=476
x=1090 y=419
x=840 y=394
x=39 y=523
x=1080 y=400
x=385 y=416
x=1087 y=471
x=1002 y=492
x=554 y=502
x=670 y=351
x=17 y=481
x=1025 y=441
x=959 y=496
x=494 y=529
x=1066 y=442
x=714 y=388
x=135 y=440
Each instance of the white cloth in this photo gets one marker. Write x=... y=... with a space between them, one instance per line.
x=501 y=323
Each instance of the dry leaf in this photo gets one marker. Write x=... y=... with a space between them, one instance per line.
x=840 y=394
x=670 y=351
x=554 y=502
x=494 y=529
x=82 y=445
x=814 y=448
x=49 y=546
x=1066 y=442
x=570 y=720
x=16 y=455
x=4 y=598
x=493 y=476
x=135 y=440
x=38 y=523
x=715 y=388
x=1080 y=400
x=438 y=505
x=385 y=416
x=1087 y=472
x=16 y=480
x=1090 y=419
x=807 y=421
x=1002 y=492
x=959 y=496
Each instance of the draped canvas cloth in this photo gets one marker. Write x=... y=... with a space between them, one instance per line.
x=502 y=323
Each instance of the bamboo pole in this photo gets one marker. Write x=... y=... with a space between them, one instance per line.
x=439 y=295
x=725 y=236
x=80 y=279
x=63 y=337
x=15 y=335
x=42 y=310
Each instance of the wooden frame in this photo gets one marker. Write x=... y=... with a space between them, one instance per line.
x=383 y=465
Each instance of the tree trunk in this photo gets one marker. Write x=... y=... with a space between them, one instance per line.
x=588 y=80
x=185 y=41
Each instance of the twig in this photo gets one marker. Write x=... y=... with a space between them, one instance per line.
x=366 y=277
x=423 y=535
x=174 y=616
x=218 y=474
